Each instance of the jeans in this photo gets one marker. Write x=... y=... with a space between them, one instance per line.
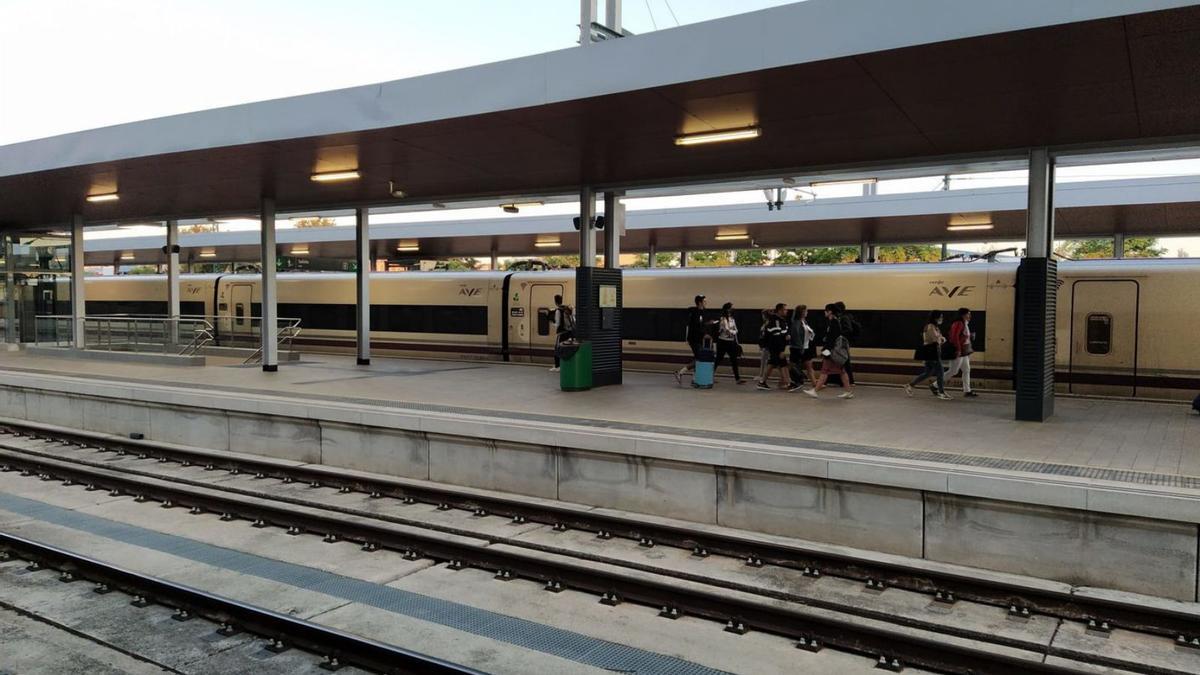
x=728 y=347
x=961 y=364
x=932 y=369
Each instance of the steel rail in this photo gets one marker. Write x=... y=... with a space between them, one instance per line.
x=336 y=646
x=890 y=645
x=1019 y=599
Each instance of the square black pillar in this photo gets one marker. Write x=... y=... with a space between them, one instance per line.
x=598 y=302
x=1037 y=304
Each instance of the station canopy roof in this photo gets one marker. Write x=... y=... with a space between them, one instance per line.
x=831 y=85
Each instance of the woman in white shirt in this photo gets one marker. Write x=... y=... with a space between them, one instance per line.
x=803 y=348
x=727 y=341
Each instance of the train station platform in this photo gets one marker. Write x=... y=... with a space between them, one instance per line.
x=1107 y=493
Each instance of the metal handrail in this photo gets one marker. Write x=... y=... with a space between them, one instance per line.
x=185 y=335
x=287 y=333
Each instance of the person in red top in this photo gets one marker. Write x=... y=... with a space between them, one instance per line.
x=960 y=338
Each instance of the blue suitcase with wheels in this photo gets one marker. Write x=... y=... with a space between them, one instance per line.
x=705 y=363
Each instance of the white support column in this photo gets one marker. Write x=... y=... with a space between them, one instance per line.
x=10 y=291
x=270 y=299
x=587 y=235
x=587 y=14
x=1119 y=245
x=614 y=227
x=78 y=294
x=612 y=15
x=172 y=251
x=362 y=278
x=1040 y=215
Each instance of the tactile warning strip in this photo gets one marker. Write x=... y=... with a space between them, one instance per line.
x=512 y=630
x=998 y=463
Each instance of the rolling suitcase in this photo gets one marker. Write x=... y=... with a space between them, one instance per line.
x=705 y=363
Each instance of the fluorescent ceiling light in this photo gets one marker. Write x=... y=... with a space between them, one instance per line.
x=718 y=136
x=108 y=197
x=59 y=234
x=960 y=228
x=846 y=181
x=547 y=244
x=959 y=219
x=127 y=256
x=208 y=253
x=732 y=236
x=408 y=246
x=332 y=176
x=299 y=250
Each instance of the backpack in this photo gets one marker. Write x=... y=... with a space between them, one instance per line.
x=840 y=353
x=851 y=328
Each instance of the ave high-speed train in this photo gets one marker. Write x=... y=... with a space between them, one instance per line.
x=1125 y=328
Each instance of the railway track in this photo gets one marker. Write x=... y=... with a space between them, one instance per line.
x=336 y=648
x=421 y=539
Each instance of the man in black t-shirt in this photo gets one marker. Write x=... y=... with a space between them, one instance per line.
x=696 y=328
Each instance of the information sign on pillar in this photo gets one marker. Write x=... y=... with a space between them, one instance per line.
x=270 y=299
x=598 y=299
x=1037 y=296
x=172 y=254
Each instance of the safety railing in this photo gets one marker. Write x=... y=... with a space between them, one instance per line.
x=187 y=335
x=287 y=332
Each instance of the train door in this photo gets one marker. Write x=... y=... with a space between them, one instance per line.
x=1104 y=329
x=242 y=328
x=541 y=312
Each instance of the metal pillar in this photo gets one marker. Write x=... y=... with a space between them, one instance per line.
x=945 y=250
x=270 y=299
x=587 y=15
x=495 y=259
x=614 y=226
x=10 y=291
x=587 y=233
x=78 y=295
x=362 y=282
x=652 y=262
x=871 y=253
x=1037 y=295
x=864 y=252
x=172 y=251
x=683 y=258
x=1119 y=245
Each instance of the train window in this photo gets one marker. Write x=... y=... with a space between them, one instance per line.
x=1099 y=333
x=543 y=321
x=239 y=310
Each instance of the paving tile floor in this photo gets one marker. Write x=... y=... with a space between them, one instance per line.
x=1110 y=435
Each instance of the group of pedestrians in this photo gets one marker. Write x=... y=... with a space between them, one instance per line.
x=937 y=350
x=783 y=331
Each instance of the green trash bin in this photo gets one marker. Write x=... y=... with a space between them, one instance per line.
x=575 y=369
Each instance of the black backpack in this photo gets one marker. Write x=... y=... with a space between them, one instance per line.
x=851 y=328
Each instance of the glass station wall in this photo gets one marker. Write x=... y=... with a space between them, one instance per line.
x=37 y=283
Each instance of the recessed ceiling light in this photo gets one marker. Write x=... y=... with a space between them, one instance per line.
x=718 y=136
x=109 y=197
x=960 y=228
x=333 y=176
x=547 y=244
x=732 y=236
x=299 y=250
x=208 y=253
x=127 y=256
x=408 y=246
x=959 y=219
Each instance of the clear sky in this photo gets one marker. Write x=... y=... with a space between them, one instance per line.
x=67 y=65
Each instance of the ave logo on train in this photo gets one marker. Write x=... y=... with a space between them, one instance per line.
x=941 y=289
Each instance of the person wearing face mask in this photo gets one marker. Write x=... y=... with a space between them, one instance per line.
x=834 y=355
x=930 y=352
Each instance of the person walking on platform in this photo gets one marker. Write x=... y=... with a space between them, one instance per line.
x=694 y=334
x=764 y=354
x=727 y=341
x=834 y=354
x=930 y=353
x=777 y=342
x=564 y=328
x=850 y=330
x=803 y=348
x=960 y=341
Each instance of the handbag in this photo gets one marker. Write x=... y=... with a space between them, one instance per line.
x=926 y=352
x=840 y=353
x=948 y=352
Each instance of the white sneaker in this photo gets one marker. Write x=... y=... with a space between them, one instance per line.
x=810 y=392
x=846 y=394
x=908 y=390
x=554 y=369
x=944 y=396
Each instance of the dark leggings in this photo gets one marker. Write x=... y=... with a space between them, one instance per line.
x=728 y=347
x=848 y=369
x=932 y=369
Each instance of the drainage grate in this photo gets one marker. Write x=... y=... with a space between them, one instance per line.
x=520 y=632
